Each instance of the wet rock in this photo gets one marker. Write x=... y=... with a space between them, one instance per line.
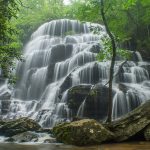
x=2 y=79
x=76 y=95
x=10 y=128
x=95 y=48
x=45 y=130
x=5 y=96
x=5 y=105
x=132 y=123
x=50 y=140
x=145 y=54
x=83 y=132
x=71 y=40
x=132 y=100
x=66 y=83
x=60 y=52
x=96 y=104
x=24 y=137
x=50 y=73
x=147 y=67
x=147 y=133
x=96 y=101
x=134 y=56
x=124 y=87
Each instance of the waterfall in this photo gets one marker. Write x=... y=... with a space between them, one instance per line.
x=61 y=54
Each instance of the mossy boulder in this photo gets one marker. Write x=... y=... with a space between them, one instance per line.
x=24 y=137
x=147 y=133
x=82 y=132
x=10 y=128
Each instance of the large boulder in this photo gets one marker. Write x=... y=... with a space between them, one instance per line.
x=132 y=123
x=76 y=96
x=96 y=101
x=60 y=52
x=82 y=132
x=10 y=128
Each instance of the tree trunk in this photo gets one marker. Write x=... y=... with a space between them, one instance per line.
x=113 y=43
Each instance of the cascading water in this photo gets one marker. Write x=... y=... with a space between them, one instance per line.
x=60 y=55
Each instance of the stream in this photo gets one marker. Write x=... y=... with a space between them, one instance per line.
x=115 y=146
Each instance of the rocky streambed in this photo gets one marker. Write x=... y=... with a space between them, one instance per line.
x=134 y=126
x=25 y=130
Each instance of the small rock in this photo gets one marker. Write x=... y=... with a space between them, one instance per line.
x=45 y=130
x=51 y=140
x=24 y=137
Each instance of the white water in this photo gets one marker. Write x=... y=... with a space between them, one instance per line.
x=63 y=49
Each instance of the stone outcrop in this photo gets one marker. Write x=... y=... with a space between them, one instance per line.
x=96 y=100
x=60 y=52
x=10 y=128
x=6 y=95
x=83 y=132
x=132 y=123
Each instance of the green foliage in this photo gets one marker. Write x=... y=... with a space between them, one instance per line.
x=33 y=13
x=106 y=52
x=18 y=20
x=128 y=4
x=127 y=19
x=9 y=43
x=85 y=10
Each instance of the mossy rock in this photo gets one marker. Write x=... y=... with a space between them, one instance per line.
x=14 y=127
x=82 y=132
x=24 y=137
x=147 y=133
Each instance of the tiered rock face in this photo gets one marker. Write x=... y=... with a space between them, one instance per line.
x=60 y=57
